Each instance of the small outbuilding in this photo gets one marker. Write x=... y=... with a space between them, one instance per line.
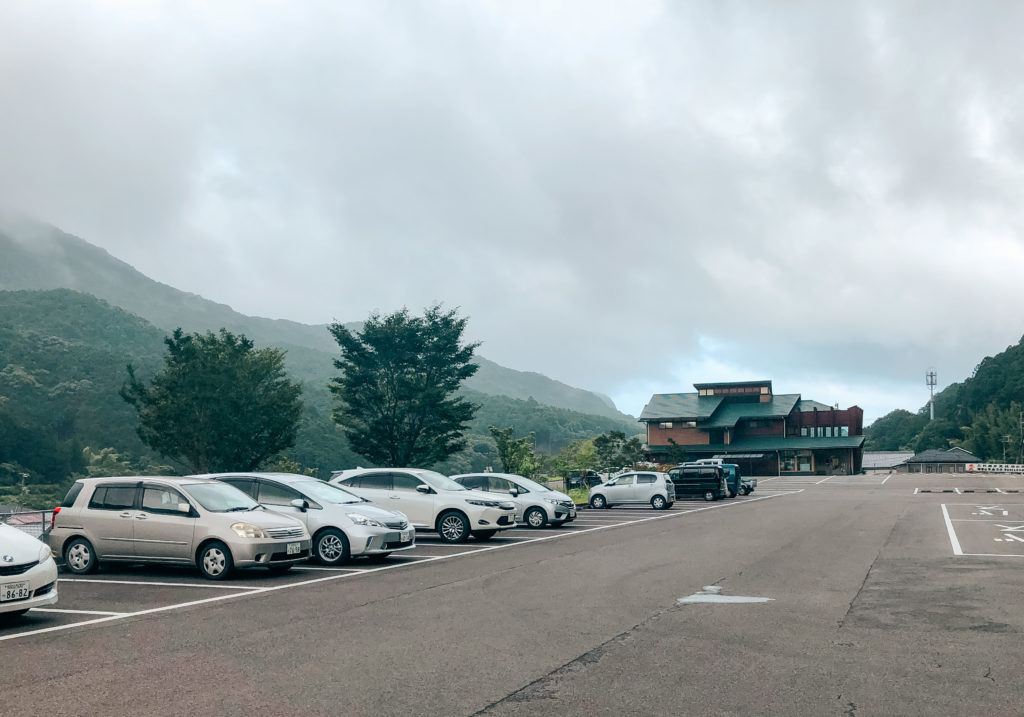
x=885 y=461
x=934 y=460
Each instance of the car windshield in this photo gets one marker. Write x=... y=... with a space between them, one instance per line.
x=326 y=493
x=436 y=480
x=531 y=485
x=220 y=497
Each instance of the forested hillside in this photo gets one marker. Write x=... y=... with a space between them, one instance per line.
x=62 y=361
x=979 y=413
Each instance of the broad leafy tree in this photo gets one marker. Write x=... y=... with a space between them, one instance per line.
x=218 y=403
x=397 y=395
x=516 y=454
x=614 y=450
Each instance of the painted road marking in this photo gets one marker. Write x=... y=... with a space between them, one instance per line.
x=154 y=583
x=245 y=592
x=75 y=612
x=953 y=541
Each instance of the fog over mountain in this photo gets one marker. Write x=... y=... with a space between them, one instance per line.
x=627 y=198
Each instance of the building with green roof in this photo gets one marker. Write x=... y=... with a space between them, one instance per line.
x=767 y=433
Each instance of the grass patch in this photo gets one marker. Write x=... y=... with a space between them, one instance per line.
x=579 y=495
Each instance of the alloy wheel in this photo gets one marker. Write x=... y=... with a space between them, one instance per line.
x=452 y=528
x=331 y=548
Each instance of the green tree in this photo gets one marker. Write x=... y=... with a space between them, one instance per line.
x=516 y=454
x=218 y=403
x=397 y=397
x=614 y=450
x=986 y=436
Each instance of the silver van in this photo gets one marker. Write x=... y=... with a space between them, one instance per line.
x=174 y=521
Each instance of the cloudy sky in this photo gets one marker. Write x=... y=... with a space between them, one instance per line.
x=629 y=197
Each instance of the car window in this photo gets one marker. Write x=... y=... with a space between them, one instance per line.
x=497 y=485
x=276 y=494
x=377 y=481
x=159 y=499
x=353 y=482
x=474 y=482
x=625 y=480
x=220 y=497
x=246 y=485
x=113 y=497
x=72 y=496
x=645 y=478
x=404 y=482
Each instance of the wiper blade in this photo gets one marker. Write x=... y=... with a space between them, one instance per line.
x=238 y=508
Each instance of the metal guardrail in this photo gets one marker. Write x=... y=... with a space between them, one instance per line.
x=33 y=522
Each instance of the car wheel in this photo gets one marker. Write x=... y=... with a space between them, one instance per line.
x=214 y=561
x=535 y=517
x=658 y=502
x=80 y=557
x=484 y=534
x=453 y=527
x=331 y=547
x=709 y=495
x=732 y=494
x=598 y=502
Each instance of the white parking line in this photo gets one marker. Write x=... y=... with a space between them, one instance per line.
x=153 y=583
x=887 y=478
x=75 y=612
x=953 y=541
x=823 y=480
x=331 y=570
x=340 y=576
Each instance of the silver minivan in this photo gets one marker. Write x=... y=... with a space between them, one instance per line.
x=175 y=521
x=342 y=524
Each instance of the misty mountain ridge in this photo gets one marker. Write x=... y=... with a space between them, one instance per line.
x=38 y=256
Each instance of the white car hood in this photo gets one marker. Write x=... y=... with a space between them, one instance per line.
x=17 y=547
x=556 y=494
x=367 y=509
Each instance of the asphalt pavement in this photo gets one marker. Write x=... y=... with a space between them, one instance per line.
x=884 y=596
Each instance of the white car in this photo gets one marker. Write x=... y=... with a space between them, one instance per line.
x=28 y=573
x=536 y=504
x=342 y=524
x=432 y=501
x=655 y=489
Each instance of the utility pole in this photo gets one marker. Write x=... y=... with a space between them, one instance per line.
x=931 y=379
x=1006 y=442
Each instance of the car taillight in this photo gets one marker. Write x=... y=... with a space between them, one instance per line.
x=53 y=518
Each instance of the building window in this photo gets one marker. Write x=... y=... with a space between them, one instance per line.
x=844 y=430
x=690 y=424
x=666 y=424
x=803 y=430
x=828 y=431
x=764 y=390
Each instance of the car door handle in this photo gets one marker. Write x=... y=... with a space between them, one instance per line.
x=141 y=516
x=395 y=497
x=126 y=515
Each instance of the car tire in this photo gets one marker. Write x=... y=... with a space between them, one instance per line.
x=484 y=534
x=453 y=527
x=709 y=495
x=658 y=502
x=331 y=547
x=598 y=502
x=732 y=494
x=80 y=557
x=535 y=517
x=214 y=561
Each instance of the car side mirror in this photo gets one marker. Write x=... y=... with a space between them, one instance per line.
x=423 y=489
x=300 y=504
x=184 y=508
x=513 y=492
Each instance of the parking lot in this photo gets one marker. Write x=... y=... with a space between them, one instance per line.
x=844 y=596
x=121 y=591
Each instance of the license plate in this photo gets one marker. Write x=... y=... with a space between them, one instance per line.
x=406 y=535
x=14 y=591
x=293 y=549
x=572 y=512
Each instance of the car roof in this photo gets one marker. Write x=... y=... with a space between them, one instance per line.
x=175 y=480
x=281 y=477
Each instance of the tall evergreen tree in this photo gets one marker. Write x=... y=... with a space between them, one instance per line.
x=397 y=393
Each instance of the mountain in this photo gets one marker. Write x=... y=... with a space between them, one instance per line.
x=978 y=413
x=38 y=256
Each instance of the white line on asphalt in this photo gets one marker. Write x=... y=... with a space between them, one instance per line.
x=916 y=490
x=150 y=583
x=395 y=566
x=952 y=533
x=823 y=480
x=999 y=490
x=332 y=570
x=957 y=491
x=993 y=555
x=887 y=478
x=76 y=612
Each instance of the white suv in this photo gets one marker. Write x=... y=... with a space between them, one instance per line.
x=432 y=501
x=656 y=489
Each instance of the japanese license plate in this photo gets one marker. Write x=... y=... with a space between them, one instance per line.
x=14 y=591
x=293 y=549
x=406 y=535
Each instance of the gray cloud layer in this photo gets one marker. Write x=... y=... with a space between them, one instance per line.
x=626 y=197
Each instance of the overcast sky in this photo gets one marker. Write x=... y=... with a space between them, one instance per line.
x=629 y=197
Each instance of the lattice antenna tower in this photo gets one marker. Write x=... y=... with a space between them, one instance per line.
x=931 y=378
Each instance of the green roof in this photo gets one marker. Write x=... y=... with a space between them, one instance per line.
x=679 y=405
x=728 y=414
x=808 y=405
x=770 y=443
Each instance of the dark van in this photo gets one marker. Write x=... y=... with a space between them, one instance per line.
x=707 y=481
x=733 y=479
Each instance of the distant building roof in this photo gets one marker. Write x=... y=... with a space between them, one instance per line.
x=679 y=405
x=806 y=404
x=935 y=455
x=769 y=443
x=885 y=459
x=732 y=384
x=780 y=406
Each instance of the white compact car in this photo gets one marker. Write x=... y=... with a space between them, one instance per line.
x=654 y=489
x=536 y=504
x=28 y=573
x=342 y=524
x=432 y=501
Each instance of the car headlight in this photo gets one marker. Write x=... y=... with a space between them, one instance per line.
x=483 y=503
x=509 y=505
x=44 y=553
x=360 y=519
x=248 y=530
x=553 y=501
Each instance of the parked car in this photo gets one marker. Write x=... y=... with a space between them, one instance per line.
x=432 y=501
x=748 y=485
x=536 y=504
x=342 y=524
x=28 y=574
x=707 y=481
x=175 y=521
x=582 y=479
x=635 y=488
x=733 y=479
